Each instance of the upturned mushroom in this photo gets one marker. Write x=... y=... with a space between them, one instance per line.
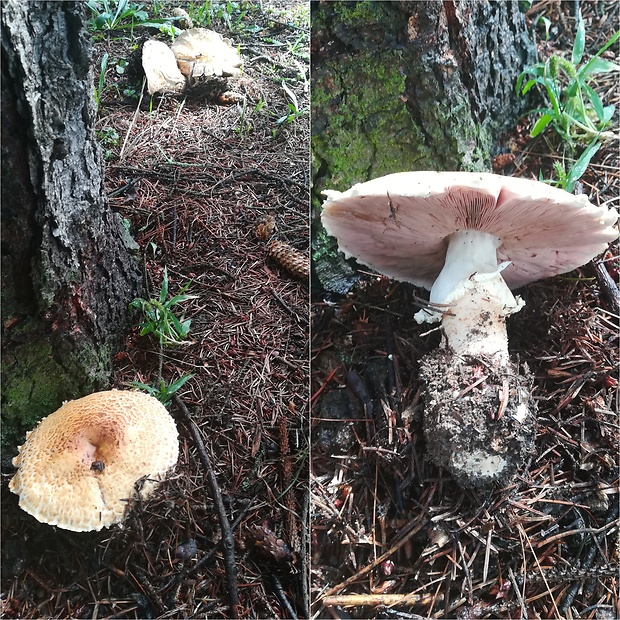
x=79 y=467
x=160 y=67
x=470 y=238
x=203 y=54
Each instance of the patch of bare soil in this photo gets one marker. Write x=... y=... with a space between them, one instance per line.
x=394 y=536
x=203 y=188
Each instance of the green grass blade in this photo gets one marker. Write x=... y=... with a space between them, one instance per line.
x=576 y=172
x=179 y=383
x=163 y=293
x=596 y=102
x=580 y=42
x=598 y=65
x=177 y=326
x=177 y=299
x=553 y=95
x=608 y=112
x=528 y=86
x=540 y=125
x=122 y=4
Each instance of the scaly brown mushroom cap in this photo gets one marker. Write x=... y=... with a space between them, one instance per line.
x=79 y=466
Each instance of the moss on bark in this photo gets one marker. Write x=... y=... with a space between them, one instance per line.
x=36 y=383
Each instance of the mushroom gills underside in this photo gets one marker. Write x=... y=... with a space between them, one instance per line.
x=479 y=419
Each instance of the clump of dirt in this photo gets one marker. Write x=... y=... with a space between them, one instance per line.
x=339 y=411
x=479 y=420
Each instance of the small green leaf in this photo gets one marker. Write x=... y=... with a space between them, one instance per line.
x=164 y=287
x=609 y=43
x=598 y=65
x=291 y=96
x=122 y=4
x=596 y=102
x=178 y=328
x=104 y=65
x=547 y=23
x=540 y=125
x=572 y=88
x=554 y=96
x=177 y=299
x=179 y=383
x=608 y=112
x=528 y=85
x=536 y=70
x=580 y=41
x=143 y=386
x=576 y=172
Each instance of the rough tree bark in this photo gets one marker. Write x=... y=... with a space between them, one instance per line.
x=401 y=85
x=67 y=274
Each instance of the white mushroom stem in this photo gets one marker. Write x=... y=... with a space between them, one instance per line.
x=473 y=298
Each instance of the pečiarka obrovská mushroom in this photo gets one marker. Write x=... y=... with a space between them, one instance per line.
x=79 y=467
x=470 y=238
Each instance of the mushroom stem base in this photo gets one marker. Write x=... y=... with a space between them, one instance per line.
x=479 y=421
x=475 y=323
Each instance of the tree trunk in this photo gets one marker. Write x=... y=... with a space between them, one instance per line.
x=67 y=275
x=401 y=85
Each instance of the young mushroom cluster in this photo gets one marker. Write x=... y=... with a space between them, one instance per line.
x=470 y=238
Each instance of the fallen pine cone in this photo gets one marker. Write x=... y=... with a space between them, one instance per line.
x=268 y=543
x=290 y=259
x=266 y=228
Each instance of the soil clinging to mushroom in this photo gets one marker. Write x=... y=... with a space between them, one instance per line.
x=481 y=419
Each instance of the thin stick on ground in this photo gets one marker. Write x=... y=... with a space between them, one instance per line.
x=228 y=544
x=175 y=582
x=375 y=600
x=415 y=526
x=281 y=594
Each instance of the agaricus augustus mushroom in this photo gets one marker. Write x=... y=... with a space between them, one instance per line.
x=204 y=54
x=161 y=69
x=79 y=467
x=470 y=238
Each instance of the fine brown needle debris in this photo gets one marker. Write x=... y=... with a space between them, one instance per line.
x=227 y=542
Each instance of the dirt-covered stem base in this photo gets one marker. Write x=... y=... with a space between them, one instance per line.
x=479 y=420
